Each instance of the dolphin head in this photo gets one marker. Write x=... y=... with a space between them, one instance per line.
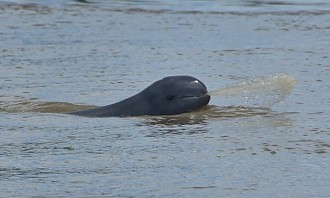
x=175 y=95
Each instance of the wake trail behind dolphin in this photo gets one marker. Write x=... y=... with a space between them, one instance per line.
x=27 y=105
x=260 y=91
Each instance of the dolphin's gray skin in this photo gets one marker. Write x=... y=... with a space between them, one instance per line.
x=170 y=96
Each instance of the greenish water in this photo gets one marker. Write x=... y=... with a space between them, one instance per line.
x=94 y=55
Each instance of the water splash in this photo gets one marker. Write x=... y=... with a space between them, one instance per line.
x=260 y=91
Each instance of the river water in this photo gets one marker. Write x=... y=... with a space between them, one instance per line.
x=69 y=54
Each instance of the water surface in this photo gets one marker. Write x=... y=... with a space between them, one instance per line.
x=97 y=54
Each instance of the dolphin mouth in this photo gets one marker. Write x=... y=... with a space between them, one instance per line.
x=194 y=97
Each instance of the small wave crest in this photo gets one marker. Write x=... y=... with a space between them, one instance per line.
x=26 y=105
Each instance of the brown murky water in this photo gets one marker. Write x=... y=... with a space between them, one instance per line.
x=85 y=54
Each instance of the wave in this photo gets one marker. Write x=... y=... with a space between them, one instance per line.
x=258 y=95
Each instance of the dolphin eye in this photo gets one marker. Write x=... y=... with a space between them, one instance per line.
x=170 y=97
